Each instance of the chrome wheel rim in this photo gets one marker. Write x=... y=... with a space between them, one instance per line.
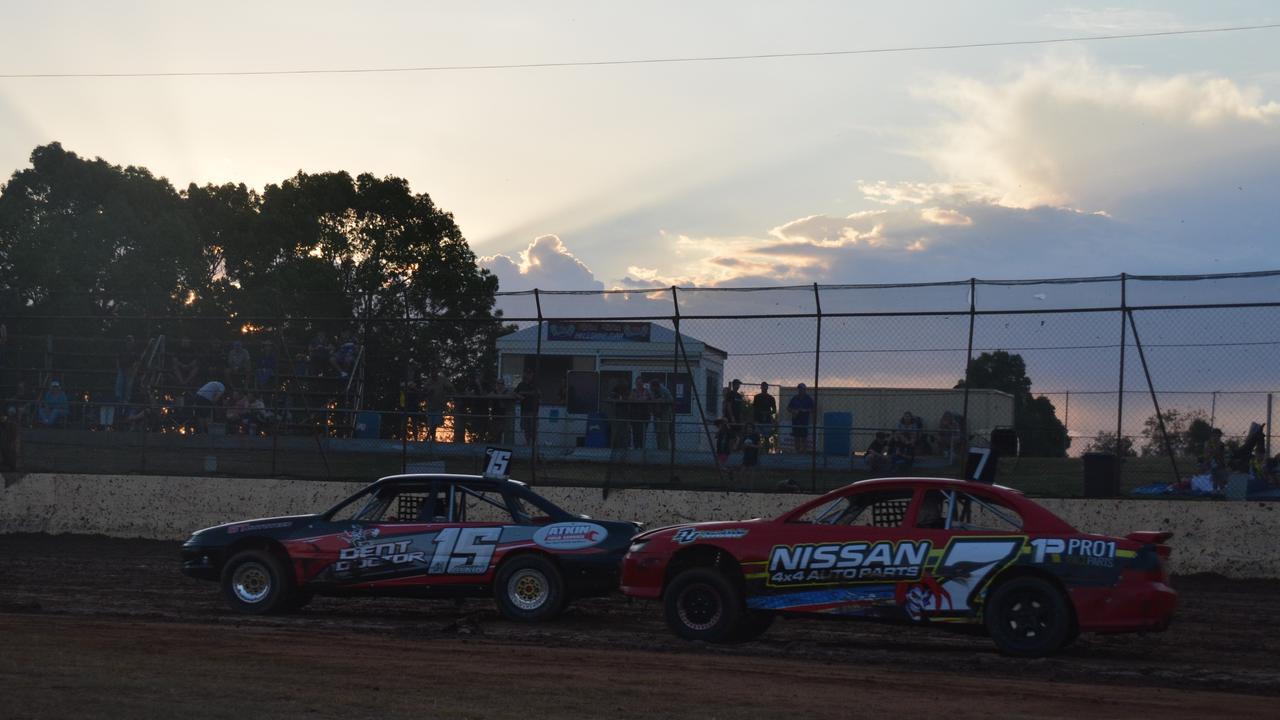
x=528 y=589
x=251 y=582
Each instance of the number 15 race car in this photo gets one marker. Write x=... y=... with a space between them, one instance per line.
x=949 y=552
x=417 y=535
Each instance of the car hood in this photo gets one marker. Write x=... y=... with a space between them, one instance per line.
x=702 y=526
x=257 y=524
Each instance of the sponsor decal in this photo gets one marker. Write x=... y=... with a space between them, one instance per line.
x=570 y=536
x=251 y=527
x=452 y=551
x=688 y=535
x=836 y=563
x=1098 y=553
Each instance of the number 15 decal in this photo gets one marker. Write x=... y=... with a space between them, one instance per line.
x=463 y=551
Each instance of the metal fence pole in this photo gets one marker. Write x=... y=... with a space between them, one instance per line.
x=675 y=370
x=968 y=369
x=1120 y=392
x=1164 y=433
x=817 y=360
x=537 y=374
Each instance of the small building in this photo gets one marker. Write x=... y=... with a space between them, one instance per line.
x=580 y=363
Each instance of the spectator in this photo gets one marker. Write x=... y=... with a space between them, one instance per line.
x=662 y=412
x=902 y=453
x=909 y=426
x=724 y=442
x=186 y=364
x=527 y=391
x=320 y=353
x=239 y=364
x=139 y=415
x=1215 y=454
x=265 y=366
x=206 y=401
x=616 y=414
x=20 y=406
x=764 y=413
x=800 y=408
x=734 y=409
x=343 y=359
x=949 y=435
x=54 y=406
x=750 y=452
x=639 y=413
x=255 y=417
x=877 y=455
x=437 y=392
x=1261 y=470
x=128 y=361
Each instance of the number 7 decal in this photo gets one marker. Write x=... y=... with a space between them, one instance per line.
x=967 y=563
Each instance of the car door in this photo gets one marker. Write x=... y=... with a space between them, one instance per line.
x=975 y=536
x=847 y=557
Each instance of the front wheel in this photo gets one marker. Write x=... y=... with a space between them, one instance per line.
x=701 y=604
x=255 y=582
x=529 y=588
x=1028 y=617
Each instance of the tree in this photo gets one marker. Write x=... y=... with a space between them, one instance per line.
x=1187 y=431
x=1040 y=432
x=1105 y=442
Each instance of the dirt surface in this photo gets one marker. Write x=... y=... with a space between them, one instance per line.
x=96 y=627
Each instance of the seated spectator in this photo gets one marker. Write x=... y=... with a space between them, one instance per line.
x=1261 y=470
x=259 y=417
x=343 y=359
x=902 y=453
x=910 y=427
x=21 y=405
x=319 y=352
x=237 y=410
x=724 y=442
x=750 y=451
x=54 y=406
x=185 y=364
x=265 y=366
x=877 y=455
x=239 y=364
x=140 y=415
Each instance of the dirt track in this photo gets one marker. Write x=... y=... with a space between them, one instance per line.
x=109 y=628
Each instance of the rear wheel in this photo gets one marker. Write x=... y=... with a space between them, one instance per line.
x=529 y=588
x=255 y=582
x=701 y=604
x=1028 y=617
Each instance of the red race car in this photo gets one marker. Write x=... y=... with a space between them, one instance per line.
x=919 y=550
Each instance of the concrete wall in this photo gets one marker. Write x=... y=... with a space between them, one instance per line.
x=1235 y=539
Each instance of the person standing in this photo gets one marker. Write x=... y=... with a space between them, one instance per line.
x=801 y=409
x=54 y=405
x=639 y=412
x=734 y=410
x=662 y=413
x=529 y=397
x=437 y=392
x=206 y=400
x=764 y=414
x=127 y=362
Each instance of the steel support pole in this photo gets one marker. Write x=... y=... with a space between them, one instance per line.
x=1142 y=355
x=537 y=378
x=817 y=367
x=675 y=370
x=1120 y=392
x=968 y=369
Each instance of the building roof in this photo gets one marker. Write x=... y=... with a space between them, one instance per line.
x=658 y=336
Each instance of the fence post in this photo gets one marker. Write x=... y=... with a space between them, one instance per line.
x=1142 y=355
x=817 y=360
x=537 y=374
x=1266 y=439
x=675 y=370
x=968 y=368
x=1124 y=308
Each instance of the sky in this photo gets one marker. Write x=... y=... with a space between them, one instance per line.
x=1153 y=155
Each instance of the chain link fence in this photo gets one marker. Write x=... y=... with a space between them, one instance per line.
x=792 y=388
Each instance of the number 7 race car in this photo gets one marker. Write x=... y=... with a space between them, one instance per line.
x=949 y=552
x=417 y=535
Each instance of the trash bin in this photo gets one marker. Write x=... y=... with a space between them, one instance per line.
x=1101 y=476
x=597 y=434
x=837 y=428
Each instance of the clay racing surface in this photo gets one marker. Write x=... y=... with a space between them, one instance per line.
x=95 y=627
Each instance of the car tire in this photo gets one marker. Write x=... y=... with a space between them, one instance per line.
x=701 y=604
x=1028 y=617
x=752 y=625
x=529 y=588
x=256 y=582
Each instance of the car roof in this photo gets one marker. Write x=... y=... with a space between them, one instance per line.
x=450 y=477
x=936 y=481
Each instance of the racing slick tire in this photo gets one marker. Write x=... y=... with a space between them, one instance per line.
x=701 y=604
x=752 y=625
x=255 y=582
x=1028 y=617
x=529 y=588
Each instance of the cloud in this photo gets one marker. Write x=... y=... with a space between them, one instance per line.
x=1111 y=20
x=546 y=264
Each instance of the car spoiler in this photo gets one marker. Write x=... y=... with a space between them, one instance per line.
x=1155 y=537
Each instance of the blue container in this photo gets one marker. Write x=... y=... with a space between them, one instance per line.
x=597 y=435
x=837 y=435
x=368 y=425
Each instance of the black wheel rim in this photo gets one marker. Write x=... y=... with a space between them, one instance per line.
x=699 y=607
x=1028 y=615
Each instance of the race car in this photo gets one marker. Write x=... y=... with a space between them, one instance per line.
x=953 y=553
x=417 y=535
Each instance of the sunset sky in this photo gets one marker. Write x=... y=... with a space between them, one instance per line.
x=1153 y=155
